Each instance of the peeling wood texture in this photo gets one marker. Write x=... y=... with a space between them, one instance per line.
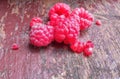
x=58 y=61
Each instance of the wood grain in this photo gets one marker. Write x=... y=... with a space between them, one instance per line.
x=58 y=61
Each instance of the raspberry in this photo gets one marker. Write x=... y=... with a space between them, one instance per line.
x=60 y=9
x=77 y=47
x=73 y=30
x=88 y=48
x=15 y=47
x=98 y=22
x=59 y=29
x=35 y=20
x=86 y=18
x=41 y=35
x=60 y=32
x=66 y=30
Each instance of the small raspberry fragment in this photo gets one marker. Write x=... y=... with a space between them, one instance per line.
x=59 y=9
x=88 y=49
x=35 y=20
x=98 y=22
x=77 y=47
x=15 y=47
x=41 y=35
x=88 y=52
x=86 y=18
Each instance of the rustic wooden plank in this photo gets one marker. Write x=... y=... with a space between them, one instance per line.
x=58 y=61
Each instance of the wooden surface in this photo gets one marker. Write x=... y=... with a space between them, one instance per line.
x=58 y=61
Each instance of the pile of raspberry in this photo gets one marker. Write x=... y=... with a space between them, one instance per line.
x=64 y=26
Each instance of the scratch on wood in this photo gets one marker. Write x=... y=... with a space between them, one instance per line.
x=43 y=10
x=2 y=32
x=2 y=74
x=57 y=77
x=3 y=17
x=15 y=10
x=1 y=46
x=28 y=16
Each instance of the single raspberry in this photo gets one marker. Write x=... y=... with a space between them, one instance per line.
x=35 y=20
x=86 y=18
x=73 y=30
x=41 y=35
x=98 y=22
x=15 y=47
x=60 y=29
x=59 y=9
x=60 y=32
x=88 y=48
x=66 y=30
x=77 y=47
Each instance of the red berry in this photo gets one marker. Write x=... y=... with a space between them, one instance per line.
x=77 y=47
x=15 y=47
x=41 y=35
x=66 y=30
x=73 y=30
x=98 y=22
x=88 y=48
x=86 y=18
x=35 y=20
x=60 y=32
x=60 y=9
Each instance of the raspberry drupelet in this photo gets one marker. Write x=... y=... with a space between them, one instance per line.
x=15 y=46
